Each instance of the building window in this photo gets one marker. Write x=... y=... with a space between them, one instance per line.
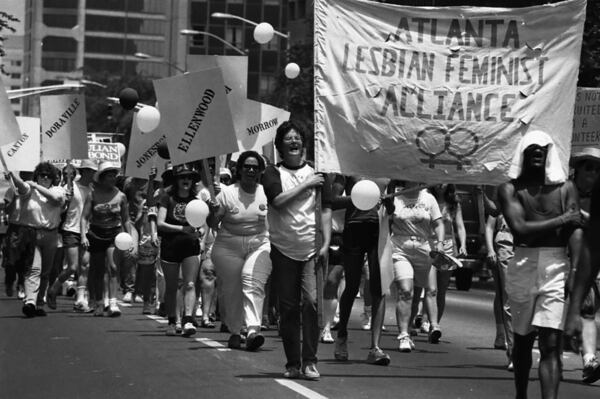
x=61 y=3
x=15 y=63
x=233 y=34
x=267 y=84
x=58 y=64
x=15 y=76
x=15 y=87
x=198 y=40
x=15 y=101
x=59 y=44
x=63 y=20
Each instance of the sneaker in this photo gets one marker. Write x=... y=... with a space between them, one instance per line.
x=511 y=366
x=406 y=344
x=51 y=298
x=147 y=309
x=29 y=310
x=128 y=297
x=418 y=321
x=207 y=323
x=81 y=307
x=341 y=349
x=234 y=341
x=254 y=340
x=171 y=330
x=326 y=337
x=113 y=310
x=292 y=373
x=311 y=373
x=188 y=329
x=40 y=312
x=366 y=321
x=20 y=292
x=378 y=357
x=425 y=327
x=138 y=299
x=199 y=310
x=591 y=371
x=434 y=335
x=178 y=328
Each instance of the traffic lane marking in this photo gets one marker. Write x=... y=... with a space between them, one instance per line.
x=301 y=389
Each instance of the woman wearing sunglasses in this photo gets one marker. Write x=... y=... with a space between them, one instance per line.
x=179 y=247
x=41 y=202
x=241 y=251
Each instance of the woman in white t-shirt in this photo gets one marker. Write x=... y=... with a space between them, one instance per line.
x=415 y=218
x=241 y=251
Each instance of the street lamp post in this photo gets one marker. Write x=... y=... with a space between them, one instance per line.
x=144 y=56
x=192 y=32
x=225 y=15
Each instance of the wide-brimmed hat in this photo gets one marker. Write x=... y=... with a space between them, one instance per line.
x=88 y=164
x=105 y=166
x=185 y=170
x=587 y=154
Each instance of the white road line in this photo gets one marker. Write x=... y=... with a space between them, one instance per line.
x=157 y=319
x=301 y=389
x=213 y=344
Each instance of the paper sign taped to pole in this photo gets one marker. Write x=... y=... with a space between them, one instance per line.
x=441 y=94
x=260 y=124
x=586 y=120
x=24 y=153
x=9 y=128
x=64 y=131
x=143 y=152
x=194 y=106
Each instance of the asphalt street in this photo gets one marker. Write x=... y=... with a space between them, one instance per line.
x=69 y=355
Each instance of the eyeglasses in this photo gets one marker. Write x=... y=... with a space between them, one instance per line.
x=291 y=139
x=250 y=167
x=45 y=176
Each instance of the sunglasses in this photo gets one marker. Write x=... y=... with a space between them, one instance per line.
x=250 y=167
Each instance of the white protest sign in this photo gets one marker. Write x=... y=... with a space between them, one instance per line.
x=143 y=152
x=9 y=129
x=260 y=124
x=194 y=106
x=441 y=94
x=98 y=152
x=24 y=154
x=235 y=76
x=64 y=131
x=586 y=120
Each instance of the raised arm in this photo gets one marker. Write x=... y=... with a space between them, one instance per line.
x=461 y=232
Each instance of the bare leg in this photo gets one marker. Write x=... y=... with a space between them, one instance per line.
x=550 y=343
x=403 y=304
x=522 y=362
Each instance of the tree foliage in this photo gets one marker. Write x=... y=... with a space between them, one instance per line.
x=589 y=69
x=6 y=20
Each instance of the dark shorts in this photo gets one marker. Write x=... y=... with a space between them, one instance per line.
x=335 y=250
x=176 y=247
x=101 y=239
x=19 y=247
x=591 y=303
x=70 y=239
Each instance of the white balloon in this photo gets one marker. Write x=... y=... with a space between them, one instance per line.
x=263 y=32
x=292 y=70
x=147 y=118
x=122 y=149
x=365 y=195
x=124 y=241
x=196 y=212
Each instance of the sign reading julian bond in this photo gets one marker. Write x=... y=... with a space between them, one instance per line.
x=441 y=94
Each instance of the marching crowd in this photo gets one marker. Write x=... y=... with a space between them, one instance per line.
x=271 y=227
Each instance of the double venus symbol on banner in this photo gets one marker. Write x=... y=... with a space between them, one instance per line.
x=466 y=142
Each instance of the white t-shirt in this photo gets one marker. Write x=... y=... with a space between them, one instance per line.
x=75 y=208
x=245 y=214
x=38 y=211
x=414 y=218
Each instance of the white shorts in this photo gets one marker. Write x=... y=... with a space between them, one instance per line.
x=535 y=284
x=411 y=260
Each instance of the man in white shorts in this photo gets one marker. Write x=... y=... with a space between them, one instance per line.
x=542 y=210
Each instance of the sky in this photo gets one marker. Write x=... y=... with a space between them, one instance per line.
x=16 y=8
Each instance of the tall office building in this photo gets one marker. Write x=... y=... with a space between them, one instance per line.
x=13 y=48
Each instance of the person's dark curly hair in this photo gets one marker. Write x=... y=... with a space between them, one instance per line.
x=284 y=129
x=47 y=168
x=242 y=159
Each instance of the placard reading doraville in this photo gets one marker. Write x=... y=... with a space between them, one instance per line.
x=441 y=93
x=64 y=131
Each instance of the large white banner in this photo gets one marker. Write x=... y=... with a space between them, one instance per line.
x=24 y=153
x=441 y=93
x=64 y=128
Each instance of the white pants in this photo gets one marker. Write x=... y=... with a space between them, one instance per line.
x=242 y=265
